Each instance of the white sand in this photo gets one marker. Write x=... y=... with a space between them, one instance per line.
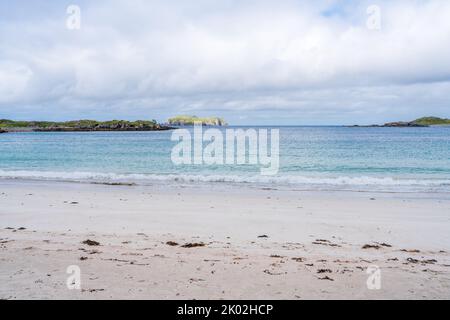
x=133 y=225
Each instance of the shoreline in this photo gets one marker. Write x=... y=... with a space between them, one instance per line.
x=319 y=183
x=222 y=186
x=259 y=243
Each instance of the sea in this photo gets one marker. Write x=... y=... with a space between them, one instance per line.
x=310 y=158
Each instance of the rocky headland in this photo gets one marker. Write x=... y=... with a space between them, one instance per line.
x=421 y=122
x=191 y=120
x=80 y=126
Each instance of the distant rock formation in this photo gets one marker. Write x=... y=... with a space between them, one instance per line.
x=421 y=122
x=432 y=121
x=403 y=124
x=191 y=120
x=81 y=125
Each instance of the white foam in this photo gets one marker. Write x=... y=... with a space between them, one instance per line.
x=343 y=181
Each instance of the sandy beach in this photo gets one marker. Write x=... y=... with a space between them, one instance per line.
x=215 y=242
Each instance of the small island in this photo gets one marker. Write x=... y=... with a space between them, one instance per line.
x=421 y=122
x=80 y=126
x=191 y=120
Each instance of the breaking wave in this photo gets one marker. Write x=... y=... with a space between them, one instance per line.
x=342 y=182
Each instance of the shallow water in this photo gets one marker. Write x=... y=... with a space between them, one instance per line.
x=392 y=159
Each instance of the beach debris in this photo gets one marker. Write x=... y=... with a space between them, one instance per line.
x=371 y=246
x=325 y=243
x=298 y=259
x=383 y=244
x=91 y=242
x=132 y=254
x=115 y=184
x=239 y=258
x=14 y=229
x=410 y=251
x=83 y=258
x=267 y=271
x=276 y=256
x=172 y=243
x=342 y=261
x=92 y=290
x=429 y=261
x=193 y=245
x=372 y=199
x=324 y=271
x=196 y=280
x=117 y=260
x=326 y=278
x=263 y=236
x=74 y=202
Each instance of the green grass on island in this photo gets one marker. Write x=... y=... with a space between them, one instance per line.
x=432 y=121
x=81 y=125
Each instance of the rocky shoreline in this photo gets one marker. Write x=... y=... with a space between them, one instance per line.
x=192 y=120
x=81 y=126
x=418 y=123
x=393 y=125
x=160 y=128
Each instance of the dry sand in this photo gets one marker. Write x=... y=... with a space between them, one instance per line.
x=312 y=245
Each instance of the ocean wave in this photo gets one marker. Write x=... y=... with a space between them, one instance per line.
x=342 y=181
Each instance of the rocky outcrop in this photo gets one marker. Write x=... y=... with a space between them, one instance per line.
x=3 y=131
x=421 y=122
x=83 y=126
x=191 y=120
x=402 y=124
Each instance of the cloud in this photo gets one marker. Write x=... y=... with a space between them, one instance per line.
x=289 y=61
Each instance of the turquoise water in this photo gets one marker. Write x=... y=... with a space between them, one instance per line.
x=310 y=158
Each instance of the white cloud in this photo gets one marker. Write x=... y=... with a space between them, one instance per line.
x=14 y=78
x=132 y=58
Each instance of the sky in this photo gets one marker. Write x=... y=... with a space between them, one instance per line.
x=251 y=62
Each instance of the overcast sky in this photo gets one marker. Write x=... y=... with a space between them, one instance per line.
x=252 y=62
